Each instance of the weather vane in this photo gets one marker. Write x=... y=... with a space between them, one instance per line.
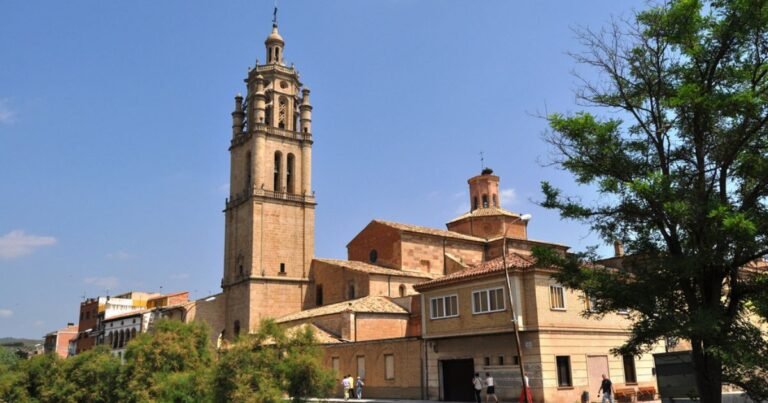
x=482 y=161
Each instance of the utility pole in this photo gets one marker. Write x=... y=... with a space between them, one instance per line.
x=524 y=217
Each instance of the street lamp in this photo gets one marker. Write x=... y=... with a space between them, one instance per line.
x=524 y=217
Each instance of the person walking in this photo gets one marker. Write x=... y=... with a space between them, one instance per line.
x=359 y=387
x=490 y=390
x=346 y=384
x=477 y=384
x=606 y=388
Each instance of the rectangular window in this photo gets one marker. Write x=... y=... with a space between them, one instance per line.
x=490 y=300
x=335 y=364
x=591 y=302
x=501 y=360
x=444 y=307
x=564 y=371
x=389 y=366
x=630 y=375
x=487 y=361
x=361 y=366
x=556 y=297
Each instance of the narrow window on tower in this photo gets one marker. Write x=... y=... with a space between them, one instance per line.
x=289 y=173
x=247 y=170
x=277 y=55
x=282 y=117
x=485 y=201
x=319 y=295
x=282 y=268
x=474 y=203
x=278 y=172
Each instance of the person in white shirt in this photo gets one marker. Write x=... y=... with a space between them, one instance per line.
x=490 y=388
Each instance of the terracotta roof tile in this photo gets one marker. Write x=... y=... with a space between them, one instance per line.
x=374 y=269
x=322 y=336
x=494 y=266
x=429 y=231
x=484 y=212
x=370 y=304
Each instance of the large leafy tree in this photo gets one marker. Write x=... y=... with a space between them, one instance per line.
x=172 y=362
x=681 y=166
x=261 y=367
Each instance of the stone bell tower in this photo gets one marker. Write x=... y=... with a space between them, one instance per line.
x=270 y=214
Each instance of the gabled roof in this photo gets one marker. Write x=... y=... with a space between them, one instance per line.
x=491 y=267
x=369 y=304
x=485 y=212
x=374 y=269
x=429 y=231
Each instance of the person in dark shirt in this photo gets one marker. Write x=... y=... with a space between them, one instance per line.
x=606 y=388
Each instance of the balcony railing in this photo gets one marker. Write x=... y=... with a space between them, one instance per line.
x=256 y=192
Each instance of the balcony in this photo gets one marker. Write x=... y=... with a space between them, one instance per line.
x=241 y=197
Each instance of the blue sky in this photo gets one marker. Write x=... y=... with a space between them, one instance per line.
x=115 y=122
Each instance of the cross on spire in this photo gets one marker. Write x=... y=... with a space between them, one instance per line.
x=274 y=15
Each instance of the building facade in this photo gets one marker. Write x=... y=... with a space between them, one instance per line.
x=415 y=311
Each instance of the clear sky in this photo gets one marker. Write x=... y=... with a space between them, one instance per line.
x=115 y=122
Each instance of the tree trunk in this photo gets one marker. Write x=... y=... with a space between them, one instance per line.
x=709 y=373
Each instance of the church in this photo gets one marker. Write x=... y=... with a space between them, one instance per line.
x=414 y=311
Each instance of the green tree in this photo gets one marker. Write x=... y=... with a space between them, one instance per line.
x=172 y=354
x=682 y=170
x=263 y=366
x=91 y=376
x=8 y=357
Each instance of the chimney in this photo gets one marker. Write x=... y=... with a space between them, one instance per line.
x=618 y=249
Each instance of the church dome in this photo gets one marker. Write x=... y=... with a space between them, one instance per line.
x=274 y=36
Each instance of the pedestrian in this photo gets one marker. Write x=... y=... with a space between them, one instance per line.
x=359 y=386
x=477 y=384
x=606 y=387
x=346 y=385
x=490 y=388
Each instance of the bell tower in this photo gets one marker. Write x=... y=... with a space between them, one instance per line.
x=270 y=213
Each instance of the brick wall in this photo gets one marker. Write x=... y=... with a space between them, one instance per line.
x=406 y=354
x=385 y=240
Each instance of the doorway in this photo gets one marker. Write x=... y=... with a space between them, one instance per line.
x=457 y=380
x=597 y=365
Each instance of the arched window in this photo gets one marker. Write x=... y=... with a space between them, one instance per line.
x=110 y=341
x=237 y=328
x=133 y=333
x=121 y=343
x=289 y=172
x=373 y=256
x=485 y=201
x=495 y=201
x=474 y=203
x=277 y=186
x=248 y=170
x=402 y=290
x=277 y=54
